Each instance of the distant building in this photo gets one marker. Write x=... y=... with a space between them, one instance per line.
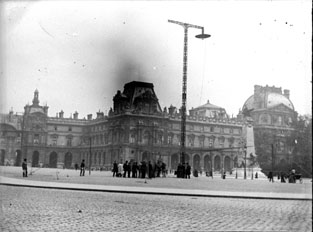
x=273 y=117
x=135 y=129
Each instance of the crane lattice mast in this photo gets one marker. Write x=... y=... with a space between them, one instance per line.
x=184 y=87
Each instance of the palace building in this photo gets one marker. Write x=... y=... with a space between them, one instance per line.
x=273 y=117
x=136 y=128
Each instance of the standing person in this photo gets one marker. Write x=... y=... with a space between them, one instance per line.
x=115 y=169
x=120 y=169
x=143 y=169
x=150 y=170
x=82 y=168
x=163 y=168
x=125 y=168
x=128 y=169
x=24 y=168
x=188 y=171
x=270 y=177
x=134 y=170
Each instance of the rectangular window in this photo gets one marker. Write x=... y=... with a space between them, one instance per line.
x=54 y=142
x=69 y=142
x=210 y=142
x=70 y=128
x=36 y=139
x=170 y=139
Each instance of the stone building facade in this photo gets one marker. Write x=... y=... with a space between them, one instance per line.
x=135 y=129
x=273 y=117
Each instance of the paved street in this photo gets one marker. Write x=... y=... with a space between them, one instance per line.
x=32 y=209
x=200 y=183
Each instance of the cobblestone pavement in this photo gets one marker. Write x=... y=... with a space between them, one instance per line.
x=32 y=209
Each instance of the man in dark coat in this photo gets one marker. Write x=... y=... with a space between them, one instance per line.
x=134 y=170
x=128 y=169
x=115 y=169
x=143 y=169
x=82 y=168
x=125 y=168
x=24 y=168
x=150 y=170
x=270 y=177
x=188 y=171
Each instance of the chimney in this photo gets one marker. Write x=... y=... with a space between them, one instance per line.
x=287 y=93
x=89 y=116
x=171 y=110
x=100 y=114
x=45 y=109
x=61 y=114
x=75 y=115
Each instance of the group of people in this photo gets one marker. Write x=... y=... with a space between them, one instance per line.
x=291 y=177
x=139 y=170
x=183 y=170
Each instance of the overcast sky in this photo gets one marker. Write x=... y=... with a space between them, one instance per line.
x=78 y=54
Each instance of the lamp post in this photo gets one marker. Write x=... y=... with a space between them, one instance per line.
x=245 y=151
x=89 y=155
x=184 y=90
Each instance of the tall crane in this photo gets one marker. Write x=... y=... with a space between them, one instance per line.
x=184 y=90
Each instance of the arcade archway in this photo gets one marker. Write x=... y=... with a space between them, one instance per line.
x=53 y=160
x=35 y=159
x=18 y=160
x=68 y=160
x=217 y=163
x=196 y=162
x=227 y=165
x=2 y=157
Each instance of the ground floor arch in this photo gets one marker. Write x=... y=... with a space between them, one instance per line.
x=18 y=160
x=2 y=157
x=53 y=159
x=217 y=163
x=174 y=161
x=196 y=162
x=68 y=160
x=207 y=163
x=35 y=159
x=227 y=164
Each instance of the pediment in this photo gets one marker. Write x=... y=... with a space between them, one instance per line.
x=281 y=108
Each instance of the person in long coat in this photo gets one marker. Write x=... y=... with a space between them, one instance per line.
x=82 y=168
x=188 y=171
x=143 y=169
x=115 y=169
x=120 y=169
x=134 y=170
x=24 y=168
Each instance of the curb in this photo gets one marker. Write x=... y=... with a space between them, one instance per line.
x=175 y=193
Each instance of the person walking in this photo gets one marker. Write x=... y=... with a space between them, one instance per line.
x=115 y=169
x=82 y=168
x=188 y=171
x=24 y=168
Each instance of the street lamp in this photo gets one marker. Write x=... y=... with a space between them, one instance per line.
x=184 y=92
x=245 y=151
x=89 y=155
